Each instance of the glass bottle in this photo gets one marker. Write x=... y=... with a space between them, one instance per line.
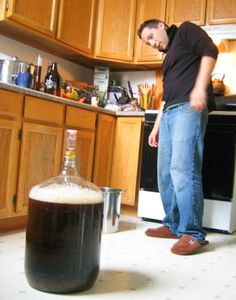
x=63 y=235
x=38 y=71
x=52 y=82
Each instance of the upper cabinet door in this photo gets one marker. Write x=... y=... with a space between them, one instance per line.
x=38 y=15
x=221 y=12
x=148 y=9
x=115 y=29
x=179 y=11
x=76 y=24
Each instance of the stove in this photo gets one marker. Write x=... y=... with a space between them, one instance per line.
x=226 y=102
x=219 y=170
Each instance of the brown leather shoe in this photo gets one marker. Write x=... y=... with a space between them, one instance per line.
x=160 y=232
x=187 y=245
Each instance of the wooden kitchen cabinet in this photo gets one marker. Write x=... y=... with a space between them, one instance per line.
x=148 y=9
x=201 y=12
x=11 y=106
x=103 y=160
x=115 y=30
x=85 y=122
x=37 y=15
x=88 y=32
x=221 y=12
x=41 y=146
x=76 y=24
x=126 y=157
x=179 y=11
x=65 y=28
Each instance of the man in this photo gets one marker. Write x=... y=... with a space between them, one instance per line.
x=187 y=97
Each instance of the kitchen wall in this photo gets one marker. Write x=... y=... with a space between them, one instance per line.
x=67 y=70
x=135 y=78
x=226 y=64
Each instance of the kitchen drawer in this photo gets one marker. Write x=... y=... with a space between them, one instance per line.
x=11 y=104
x=80 y=118
x=43 y=110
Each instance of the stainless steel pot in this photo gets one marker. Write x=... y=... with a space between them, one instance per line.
x=10 y=68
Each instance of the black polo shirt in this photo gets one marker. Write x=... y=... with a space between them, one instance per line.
x=187 y=45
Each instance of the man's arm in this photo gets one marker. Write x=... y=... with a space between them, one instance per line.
x=198 y=96
x=153 y=137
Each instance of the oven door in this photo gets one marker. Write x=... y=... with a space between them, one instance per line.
x=149 y=163
x=219 y=162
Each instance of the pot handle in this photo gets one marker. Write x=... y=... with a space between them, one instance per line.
x=222 y=74
x=14 y=78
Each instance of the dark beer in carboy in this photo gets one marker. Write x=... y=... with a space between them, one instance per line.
x=63 y=235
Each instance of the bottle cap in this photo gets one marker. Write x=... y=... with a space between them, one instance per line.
x=39 y=62
x=70 y=142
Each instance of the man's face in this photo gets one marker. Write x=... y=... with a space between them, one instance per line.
x=155 y=37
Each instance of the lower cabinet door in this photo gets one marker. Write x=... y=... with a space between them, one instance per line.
x=126 y=158
x=40 y=158
x=9 y=156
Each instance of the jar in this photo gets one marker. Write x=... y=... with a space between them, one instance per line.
x=63 y=235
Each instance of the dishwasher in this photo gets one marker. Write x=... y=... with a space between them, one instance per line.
x=218 y=174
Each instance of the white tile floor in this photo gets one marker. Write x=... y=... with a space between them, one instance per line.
x=134 y=266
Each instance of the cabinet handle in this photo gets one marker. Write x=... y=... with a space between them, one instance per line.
x=7 y=5
x=20 y=134
x=14 y=198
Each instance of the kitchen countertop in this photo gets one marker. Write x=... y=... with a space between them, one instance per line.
x=41 y=95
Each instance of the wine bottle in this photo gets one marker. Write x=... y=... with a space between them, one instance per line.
x=52 y=82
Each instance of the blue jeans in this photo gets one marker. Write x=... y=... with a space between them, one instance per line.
x=180 y=155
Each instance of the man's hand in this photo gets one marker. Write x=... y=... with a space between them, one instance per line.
x=198 y=99
x=153 y=138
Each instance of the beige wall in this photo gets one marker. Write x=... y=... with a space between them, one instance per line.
x=67 y=70
x=226 y=64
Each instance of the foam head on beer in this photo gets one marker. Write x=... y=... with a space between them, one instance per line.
x=57 y=193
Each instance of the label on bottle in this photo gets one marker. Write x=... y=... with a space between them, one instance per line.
x=50 y=84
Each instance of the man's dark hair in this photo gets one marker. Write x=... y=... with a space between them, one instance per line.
x=151 y=23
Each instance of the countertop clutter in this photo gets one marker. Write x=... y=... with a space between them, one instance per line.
x=225 y=105
x=19 y=73
x=42 y=95
x=103 y=93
